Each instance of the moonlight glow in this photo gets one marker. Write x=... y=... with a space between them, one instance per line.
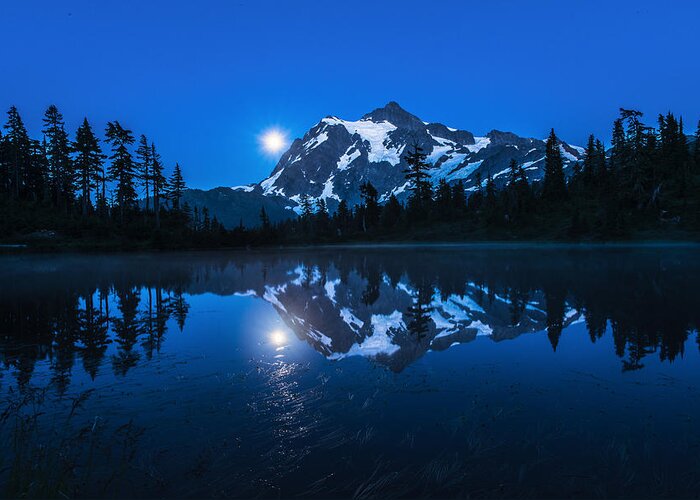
x=278 y=337
x=273 y=141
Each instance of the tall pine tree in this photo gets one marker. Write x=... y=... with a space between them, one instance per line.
x=176 y=187
x=158 y=182
x=554 y=184
x=370 y=206
x=144 y=164
x=60 y=164
x=122 y=169
x=88 y=163
x=17 y=154
x=416 y=173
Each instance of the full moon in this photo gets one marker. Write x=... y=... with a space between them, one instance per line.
x=273 y=141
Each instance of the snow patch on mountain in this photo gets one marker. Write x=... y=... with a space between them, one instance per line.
x=566 y=154
x=528 y=165
x=481 y=143
x=328 y=190
x=246 y=188
x=316 y=141
x=268 y=184
x=376 y=134
x=348 y=157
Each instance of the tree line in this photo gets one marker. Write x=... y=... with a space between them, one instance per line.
x=83 y=184
x=646 y=183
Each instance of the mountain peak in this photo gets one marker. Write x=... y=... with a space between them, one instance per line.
x=393 y=113
x=393 y=105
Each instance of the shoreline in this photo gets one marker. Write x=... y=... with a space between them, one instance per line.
x=25 y=249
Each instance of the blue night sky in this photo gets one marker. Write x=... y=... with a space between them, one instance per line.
x=204 y=79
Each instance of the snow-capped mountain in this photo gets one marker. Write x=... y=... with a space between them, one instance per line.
x=336 y=156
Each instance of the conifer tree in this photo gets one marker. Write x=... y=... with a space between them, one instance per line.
x=475 y=200
x=554 y=184
x=638 y=177
x=600 y=167
x=122 y=169
x=416 y=173
x=195 y=219
x=186 y=212
x=459 y=198
x=636 y=131
x=17 y=153
x=144 y=163
x=322 y=218
x=490 y=192
x=391 y=213
x=512 y=172
x=176 y=187
x=443 y=199
x=158 y=182
x=37 y=179
x=306 y=207
x=370 y=205
x=88 y=163
x=518 y=189
x=62 y=174
x=618 y=151
x=589 y=161
x=206 y=221
x=342 y=218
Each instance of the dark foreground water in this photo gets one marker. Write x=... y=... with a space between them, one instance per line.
x=395 y=372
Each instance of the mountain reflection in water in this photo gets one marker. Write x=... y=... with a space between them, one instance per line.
x=389 y=305
x=395 y=372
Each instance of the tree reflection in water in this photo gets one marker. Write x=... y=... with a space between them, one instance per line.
x=422 y=299
x=255 y=413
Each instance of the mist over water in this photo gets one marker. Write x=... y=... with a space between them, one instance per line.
x=405 y=371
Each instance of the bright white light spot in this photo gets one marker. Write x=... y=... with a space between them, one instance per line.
x=278 y=337
x=273 y=141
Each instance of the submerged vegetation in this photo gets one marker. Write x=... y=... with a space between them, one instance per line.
x=62 y=192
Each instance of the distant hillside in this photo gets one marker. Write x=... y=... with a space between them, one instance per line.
x=233 y=206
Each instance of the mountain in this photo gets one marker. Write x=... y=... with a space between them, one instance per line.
x=336 y=156
x=233 y=206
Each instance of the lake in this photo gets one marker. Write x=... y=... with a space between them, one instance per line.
x=480 y=371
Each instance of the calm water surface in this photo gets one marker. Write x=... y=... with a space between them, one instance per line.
x=395 y=372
